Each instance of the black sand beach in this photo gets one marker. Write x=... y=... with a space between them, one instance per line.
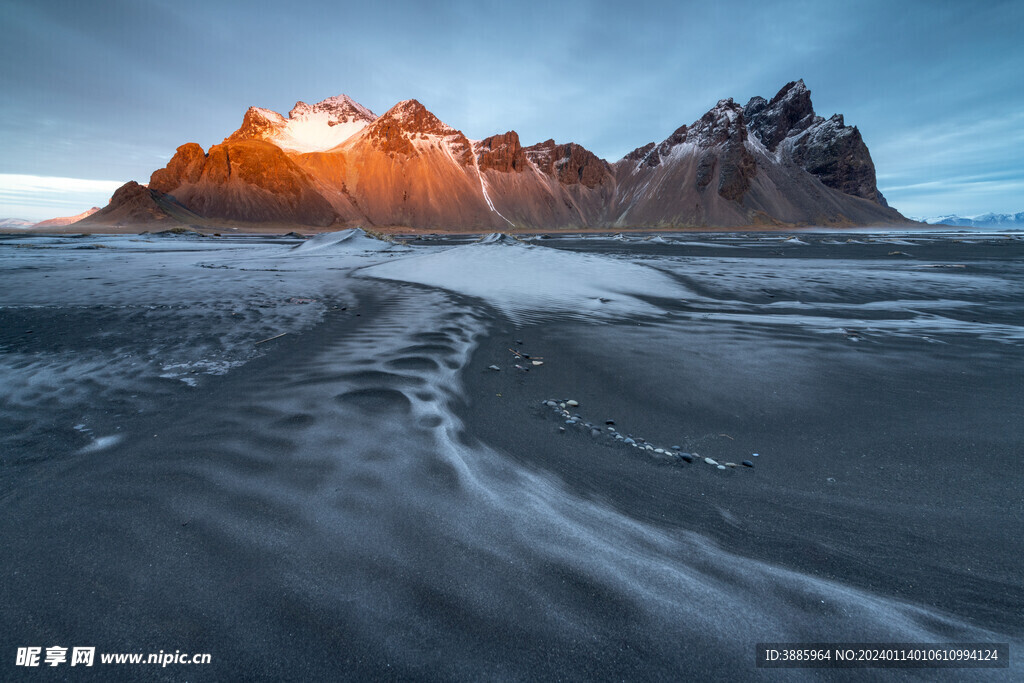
x=362 y=497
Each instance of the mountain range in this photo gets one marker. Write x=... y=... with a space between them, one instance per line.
x=336 y=164
x=985 y=220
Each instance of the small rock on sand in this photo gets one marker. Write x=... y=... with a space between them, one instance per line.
x=493 y=367
x=710 y=461
x=571 y=402
x=747 y=463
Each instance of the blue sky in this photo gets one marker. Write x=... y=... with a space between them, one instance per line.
x=105 y=91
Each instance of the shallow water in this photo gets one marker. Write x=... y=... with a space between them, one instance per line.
x=361 y=497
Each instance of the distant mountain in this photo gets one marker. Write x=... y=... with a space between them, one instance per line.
x=985 y=220
x=336 y=164
x=66 y=220
x=15 y=223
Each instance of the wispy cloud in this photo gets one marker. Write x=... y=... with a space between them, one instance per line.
x=35 y=197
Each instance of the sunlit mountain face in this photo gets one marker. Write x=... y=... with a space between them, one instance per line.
x=770 y=163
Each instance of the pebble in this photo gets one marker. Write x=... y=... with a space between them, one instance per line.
x=538 y=362
x=493 y=367
x=634 y=441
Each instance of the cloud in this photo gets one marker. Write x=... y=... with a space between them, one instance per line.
x=964 y=196
x=35 y=197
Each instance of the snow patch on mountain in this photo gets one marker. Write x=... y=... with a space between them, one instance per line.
x=314 y=128
x=985 y=220
x=15 y=223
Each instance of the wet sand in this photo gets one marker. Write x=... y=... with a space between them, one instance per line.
x=363 y=498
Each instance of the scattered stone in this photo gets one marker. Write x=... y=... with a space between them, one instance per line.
x=537 y=362
x=756 y=454
x=664 y=454
x=519 y=341
x=493 y=367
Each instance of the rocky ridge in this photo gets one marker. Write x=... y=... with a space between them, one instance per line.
x=335 y=164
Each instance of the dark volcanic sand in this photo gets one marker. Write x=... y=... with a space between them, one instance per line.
x=356 y=500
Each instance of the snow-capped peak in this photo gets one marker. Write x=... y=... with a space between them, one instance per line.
x=338 y=109
x=309 y=127
x=412 y=116
x=268 y=115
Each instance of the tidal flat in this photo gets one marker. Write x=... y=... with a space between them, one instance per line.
x=346 y=457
